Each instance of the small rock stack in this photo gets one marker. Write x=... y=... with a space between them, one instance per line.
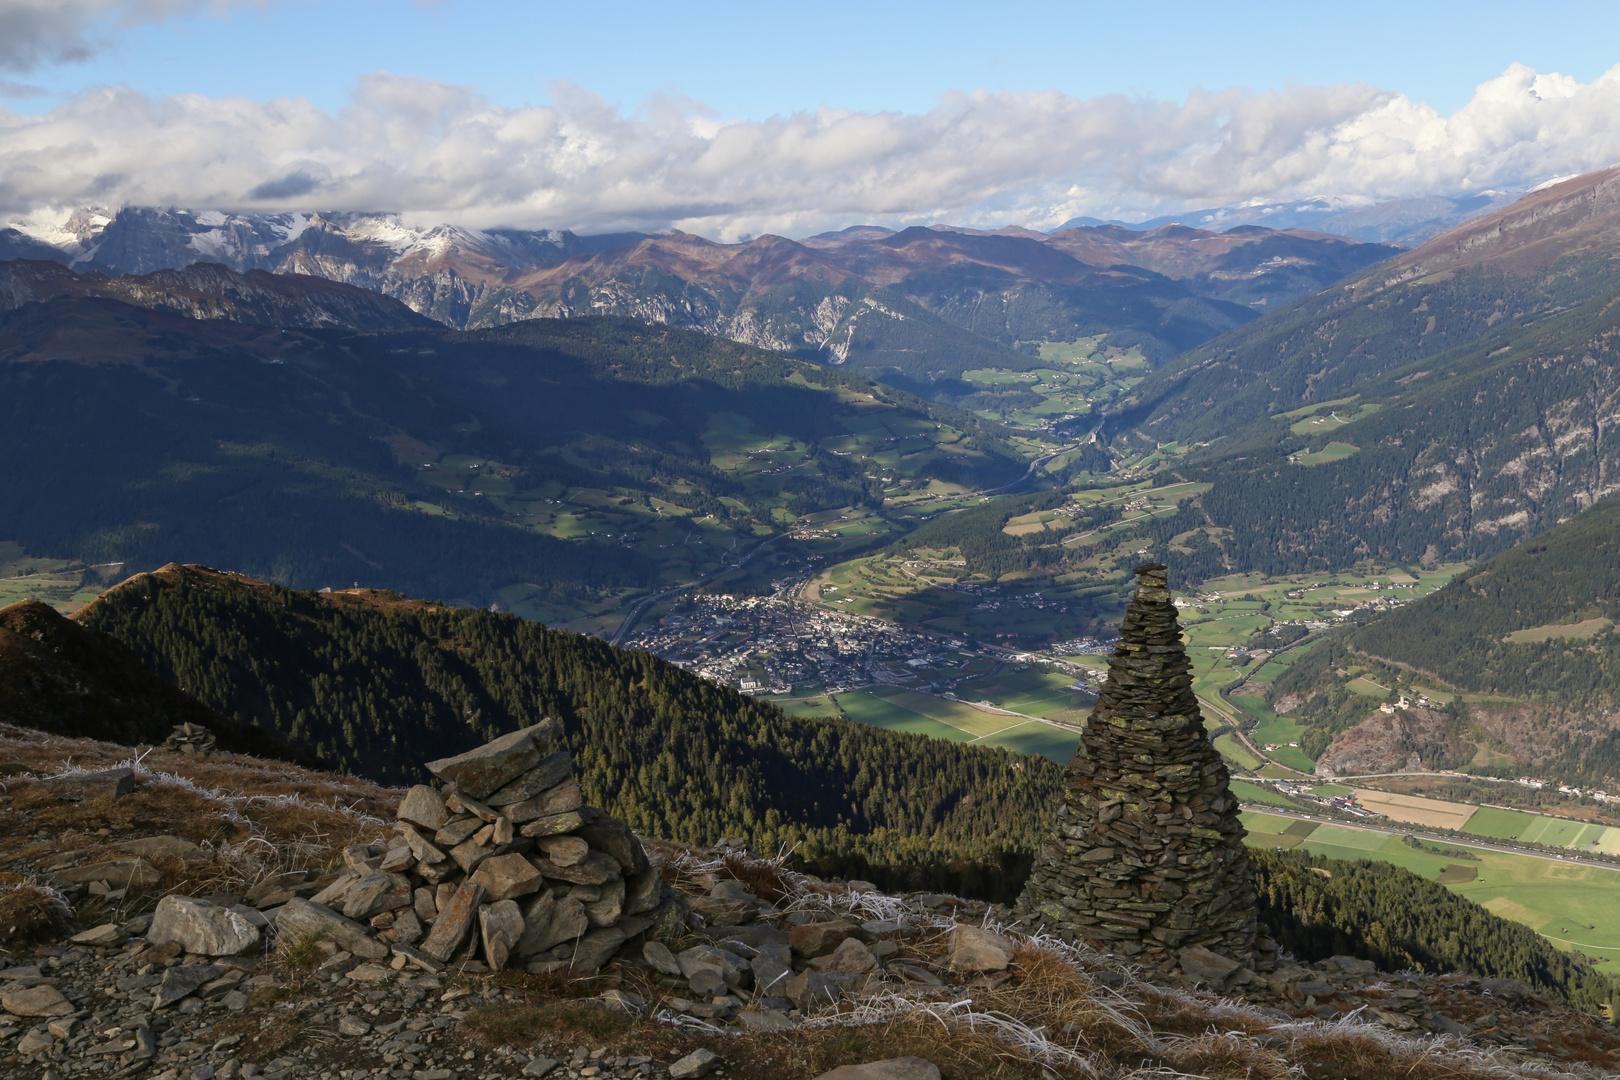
x=504 y=864
x=190 y=739
x=1146 y=857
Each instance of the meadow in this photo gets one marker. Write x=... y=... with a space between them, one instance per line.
x=900 y=709
x=1571 y=905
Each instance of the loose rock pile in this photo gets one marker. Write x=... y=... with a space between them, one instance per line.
x=190 y=739
x=1146 y=856
x=504 y=865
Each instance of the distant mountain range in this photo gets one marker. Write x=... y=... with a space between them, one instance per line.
x=914 y=306
x=1407 y=222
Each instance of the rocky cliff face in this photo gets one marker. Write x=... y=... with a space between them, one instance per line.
x=213 y=291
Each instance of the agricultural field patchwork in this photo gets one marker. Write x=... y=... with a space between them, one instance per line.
x=925 y=714
x=1576 y=907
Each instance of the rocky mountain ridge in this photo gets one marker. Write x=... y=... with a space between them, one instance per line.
x=213 y=291
x=869 y=290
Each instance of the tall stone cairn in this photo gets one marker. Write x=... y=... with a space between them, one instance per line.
x=1146 y=856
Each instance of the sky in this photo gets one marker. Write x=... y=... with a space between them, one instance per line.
x=732 y=118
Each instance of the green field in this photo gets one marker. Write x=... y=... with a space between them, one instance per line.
x=869 y=708
x=1333 y=451
x=1542 y=829
x=899 y=709
x=1230 y=747
x=1572 y=905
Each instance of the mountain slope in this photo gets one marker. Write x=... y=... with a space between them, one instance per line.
x=67 y=679
x=380 y=684
x=213 y=291
x=1547 y=252
x=562 y=459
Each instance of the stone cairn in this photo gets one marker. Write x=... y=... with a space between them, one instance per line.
x=190 y=739
x=1146 y=857
x=503 y=865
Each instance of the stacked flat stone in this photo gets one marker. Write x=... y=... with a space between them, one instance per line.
x=503 y=865
x=190 y=739
x=1146 y=857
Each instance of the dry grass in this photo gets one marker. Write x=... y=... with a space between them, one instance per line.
x=30 y=912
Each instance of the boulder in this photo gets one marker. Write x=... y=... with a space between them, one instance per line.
x=108 y=784
x=606 y=909
x=596 y=869
x=302 y=918
x=486 y=769
x=552 y=770
x=772 y=970
x=973 y=948
x=455 y=921
x=103 y=935
x=456 y=830
x=179 y=982
x=43 y=1000
x=565 y=850
x=903 y=1068
x=547 y=926
x=699 y=1062
x=506 y=876
x=500 y=927
x=375 y=893
x=595 y=949
x=1202 y=965
x=200 y=927
x=424 y=808
x=657 y=954
x=614 y=837
x=564 y=797
x=167 y=847
x=851 y=956
x=553 y=824
x=116 y=874
x=821 y=938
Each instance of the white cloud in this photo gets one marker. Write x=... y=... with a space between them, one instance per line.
x=443 y=153
x=34 y=33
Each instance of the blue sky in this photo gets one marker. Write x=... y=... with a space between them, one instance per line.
x=731 y=119
x=755 y=60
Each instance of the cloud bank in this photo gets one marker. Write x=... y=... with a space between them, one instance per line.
x=439 y=152
x=34 y=33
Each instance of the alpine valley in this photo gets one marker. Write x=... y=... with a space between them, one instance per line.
x=749 y=601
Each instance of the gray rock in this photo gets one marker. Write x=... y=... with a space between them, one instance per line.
x=642 y=891
x=765 y=1020
x=551 y=770
x=375 y=893
x=167 y=847
x=506 y=876
x=1202 y=965
x=772 y=970
x=116 y=874
x=615 y=837
x=539 y=1066
x=658 y=955
x=904 y=1068
x=606 y=909
x=179 y=982
x=424 y=808
x=108 y=784
x=42 y=1000
x=488 y=768
x=34 y=1042
x=973 y=948
x=307 y=919
x=561 y=799
x=700 y=1062
x=500 y=928
x=454 y=923
x=104 y=935
x=595 y=949
x=200 y=927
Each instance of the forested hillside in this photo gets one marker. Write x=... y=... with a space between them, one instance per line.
x=377 y=684
x=434 y=461
x=1317 y=907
